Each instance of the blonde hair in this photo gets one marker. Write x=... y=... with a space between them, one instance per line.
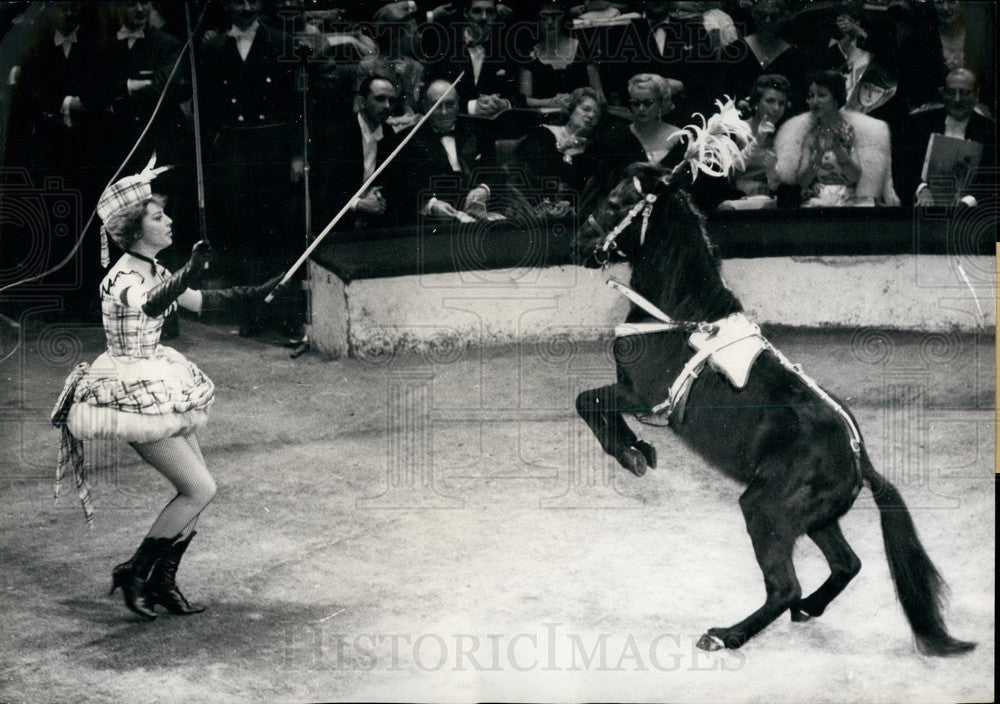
x=658 y=84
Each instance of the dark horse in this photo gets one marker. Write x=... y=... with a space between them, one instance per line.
x=801 y=461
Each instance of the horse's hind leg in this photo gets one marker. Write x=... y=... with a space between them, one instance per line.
x=773 y=536
x=601 y=409
x=844 y=565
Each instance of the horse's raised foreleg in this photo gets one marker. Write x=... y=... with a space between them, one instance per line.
x=773 y=538
x=844 y=565
x=602 y=409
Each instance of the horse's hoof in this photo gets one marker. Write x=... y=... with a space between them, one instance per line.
x=710 y=643
x=800 y=616
x=648 y=451
x=632 y=460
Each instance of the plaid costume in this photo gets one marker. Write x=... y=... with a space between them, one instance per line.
x=139 y=390
x=122 y=193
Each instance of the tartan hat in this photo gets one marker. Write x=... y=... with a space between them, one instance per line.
x=122 y=193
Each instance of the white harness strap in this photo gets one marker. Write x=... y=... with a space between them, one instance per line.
x=644 y=303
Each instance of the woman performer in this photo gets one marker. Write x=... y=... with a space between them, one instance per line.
x=144 y=393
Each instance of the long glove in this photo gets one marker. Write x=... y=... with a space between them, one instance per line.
x=162 y=295
x=238 y=300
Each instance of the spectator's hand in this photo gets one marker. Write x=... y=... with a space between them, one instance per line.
x=442 y=13
x=765 y=128
x=208 y=36
x=849 y=28
x=490 y=105
x=446 y=210
x=924 y=195
x=562 y=100
x=298 y=169
x=136 y=84
x=767 y=158
x=372 y=203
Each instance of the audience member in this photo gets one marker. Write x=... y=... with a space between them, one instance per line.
x=435 y=171
x=646 y=138
x=764 y=52
x=558 y=63
x=757 y=182
x=345 y=153
x=835 y=157
x=489 y=84
x=670 y=41
x=52 y=134
x=250 y=119
x=957 y=118
x=552 y=160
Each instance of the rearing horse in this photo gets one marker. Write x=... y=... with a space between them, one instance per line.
x=749 y=412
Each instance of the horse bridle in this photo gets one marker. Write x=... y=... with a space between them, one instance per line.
x=645 y=206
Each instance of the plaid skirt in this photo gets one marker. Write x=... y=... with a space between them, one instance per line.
x=129 y=399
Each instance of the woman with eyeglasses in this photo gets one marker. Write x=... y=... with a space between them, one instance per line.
x=646 y=138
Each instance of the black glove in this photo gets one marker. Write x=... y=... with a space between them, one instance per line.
x=239 y=301
x=162 y=295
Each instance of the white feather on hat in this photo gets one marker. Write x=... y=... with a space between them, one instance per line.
x=122 y=193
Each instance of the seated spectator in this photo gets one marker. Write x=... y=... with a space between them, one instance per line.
x=834 y=157
x=677 y=40
x=768 y=104
x=646 y=138
x=877 y=95
x=346 y=153
x=557 y=64
x=763 y=52
x=552 y=160
x=434 y=173
x=957 y=118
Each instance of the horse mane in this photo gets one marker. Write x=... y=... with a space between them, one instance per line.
x=678 y=266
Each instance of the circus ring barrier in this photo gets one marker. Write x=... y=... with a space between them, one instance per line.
x=432 y=286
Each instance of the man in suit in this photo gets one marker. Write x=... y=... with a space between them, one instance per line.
x=346 y=152
x=435 y=171
x=490 y=83
x=133 y=67
x=251 y=120
x=52 y=135
x=956 y=118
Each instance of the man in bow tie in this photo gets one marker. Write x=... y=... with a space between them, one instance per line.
x=442 y=161
x=134 y=63
x=51 y=133
x=476 y=45
x=252 y=128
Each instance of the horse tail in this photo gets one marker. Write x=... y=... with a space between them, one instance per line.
x=919 y=586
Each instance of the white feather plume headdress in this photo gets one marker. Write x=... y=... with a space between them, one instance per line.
x=715 y=146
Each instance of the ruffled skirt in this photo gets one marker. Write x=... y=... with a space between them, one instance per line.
x=140 y=399
x=129 y=399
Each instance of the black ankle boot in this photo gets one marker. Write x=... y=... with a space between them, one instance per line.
x=162 y=586
x=131 y=576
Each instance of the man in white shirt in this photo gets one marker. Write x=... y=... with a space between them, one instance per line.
x=347 y=152
x=957 y=117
